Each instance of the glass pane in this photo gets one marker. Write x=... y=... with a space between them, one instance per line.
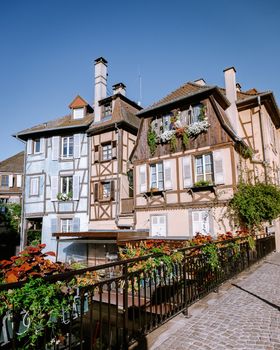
x=64 y=185
x=198 y=161
x=71 y=146
x=70 y=184
x=199 y=178
x=37 y=146
x=208 y=168
x=65 y=146
x=207 y=158
x=199 y=170
x=209 y=177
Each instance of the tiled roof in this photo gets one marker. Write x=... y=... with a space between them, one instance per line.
x=185 y=90
x=123 y=112
x=60 y=123
x=78 y=102
x=13 y=164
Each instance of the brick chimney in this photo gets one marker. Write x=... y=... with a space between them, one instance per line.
x=231 y=93
x=119 y=88
x=100 y=85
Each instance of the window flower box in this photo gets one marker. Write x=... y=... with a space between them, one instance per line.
x=64 y=196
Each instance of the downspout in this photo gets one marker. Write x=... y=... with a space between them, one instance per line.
x=118 y=175
x=22 y=219
x=262 y=139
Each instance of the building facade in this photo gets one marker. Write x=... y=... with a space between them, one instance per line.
x=193 y=148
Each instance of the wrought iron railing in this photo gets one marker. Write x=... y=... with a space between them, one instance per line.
x=124 y=303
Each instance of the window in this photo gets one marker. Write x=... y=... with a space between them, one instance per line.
x=5 y=180
x=67 y=184
x=166 y=122
x=66 y=225
x=200 y=222
x=107 y=110
x=107 y=152
x=34 y=186
x=158 y=225
x=78 y=113
x=204 y=168
x=106 y=190
x=36 y=146
x=156 y=176
x=67 y=146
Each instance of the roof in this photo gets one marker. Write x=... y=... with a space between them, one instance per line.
x=124 y=112
x=78 y=102
x=13 y=164
x=65 y=122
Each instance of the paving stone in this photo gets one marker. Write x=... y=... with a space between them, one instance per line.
x=233 y=318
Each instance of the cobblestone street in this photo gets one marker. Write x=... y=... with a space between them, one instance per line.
x=244 y=314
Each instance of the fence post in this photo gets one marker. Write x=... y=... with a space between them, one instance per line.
x=185 y=306
x=125 y=307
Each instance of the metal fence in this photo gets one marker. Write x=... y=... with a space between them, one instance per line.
x=126 y=303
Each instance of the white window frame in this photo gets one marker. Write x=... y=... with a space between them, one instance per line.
x=6 y=184
x=204 y=174
x=35 y=143
x=66 y=225
x=205 y=230
x=68 y=139
x=78 y=113
x=107 y=151
x=104 y=185
x=34 y=186
x=67 y=178
x=151 y=224
x=156 y=167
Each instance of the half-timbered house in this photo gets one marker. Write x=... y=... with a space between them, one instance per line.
x=192 y=149
x=56 y=176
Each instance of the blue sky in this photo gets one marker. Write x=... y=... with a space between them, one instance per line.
x=48 y=48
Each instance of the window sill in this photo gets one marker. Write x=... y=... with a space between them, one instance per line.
x=155 y=192
x=66 y=158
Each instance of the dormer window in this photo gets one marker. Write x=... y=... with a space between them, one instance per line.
x=107 y=110
x=78 y=113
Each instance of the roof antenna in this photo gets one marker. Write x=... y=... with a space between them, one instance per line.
x=140 y=87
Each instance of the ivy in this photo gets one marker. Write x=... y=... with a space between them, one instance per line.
x=173 y=143
x=253 y=205
x=211 y=253
x=185 y=139
x=152 y=141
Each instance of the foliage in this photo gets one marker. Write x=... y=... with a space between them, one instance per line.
x=152 y=141
x=64 y=196
x=45 y=303
x=167 y=136
x=173 y=143
x=252 y=243
x=12 y=215
x=202 y=183
x=30 y=262
x=253 y=205
x=185 y=139
x=33 y=237
x=246 y=152
x=197 y=128
x=211 y=252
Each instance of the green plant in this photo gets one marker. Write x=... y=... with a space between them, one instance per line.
x=202 y=183
x=12 y=215
x=152 y=141
x=33 y=237
x=64 y=196
x=252 y=243
x=173 y=143
x=202 y=113
x=45 y=303
x=253 y=205
x=185 y=139
x=211 y=253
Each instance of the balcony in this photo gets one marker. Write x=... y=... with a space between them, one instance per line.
x=127 y=205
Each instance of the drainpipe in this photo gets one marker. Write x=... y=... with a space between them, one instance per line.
x=262 y=139
x=118 y=175
x=22 y=219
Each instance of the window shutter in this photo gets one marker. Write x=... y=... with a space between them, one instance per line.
x=54 y=226
x=11 y=180
x=114 y=149
x=42 y=144
x=54 y=188
x=55 y=147
x=19 y=180
x=96 y=197
x=143 y=178
x=96 y=154
x=158 y=225
x=76 y=187
x=167 y=175
x=76 y=224
x=77 y=145
x=113 y=190
x=29 y=146
x=218 y=168
x=187 y=171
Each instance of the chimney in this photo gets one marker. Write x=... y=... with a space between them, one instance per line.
x=231 y=94
x=238 y=87
x=200 y=82
x=100 y=85
x=119 y=88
